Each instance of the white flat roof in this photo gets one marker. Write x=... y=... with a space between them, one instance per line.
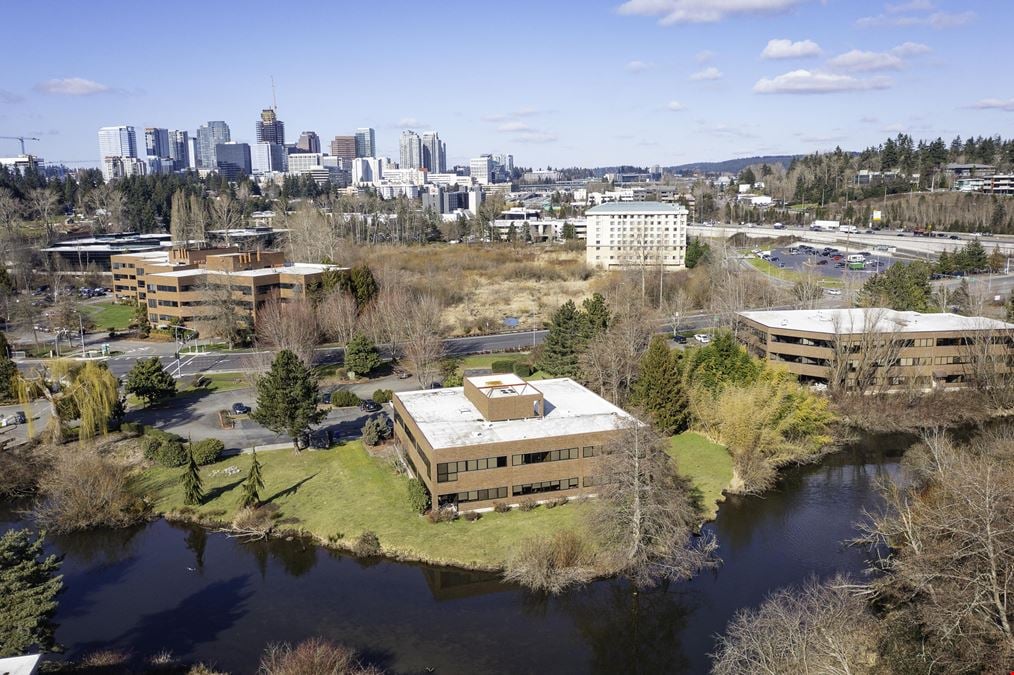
x=855 y=320
x=449 y=420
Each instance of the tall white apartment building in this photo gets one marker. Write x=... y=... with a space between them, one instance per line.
x=367 y=170
x=481 y=169
x=411 y=150
x=637 y=234
x=118 y=141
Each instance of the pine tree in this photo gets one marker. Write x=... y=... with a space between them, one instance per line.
x=719 y=363
x=8 y=372
x=659 y=388
x=287 y=397
x=560 y=351
x=595 y=313
x=149 y=380
x=193 y=487
x=29 y=585
x=253 y=484
x=361 y=355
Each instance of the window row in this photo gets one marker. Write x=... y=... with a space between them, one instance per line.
x=545 y=486
x=472 y=496
x=448 y=471
x=547 y=456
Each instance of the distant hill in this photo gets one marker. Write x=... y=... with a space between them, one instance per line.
x=734 y=165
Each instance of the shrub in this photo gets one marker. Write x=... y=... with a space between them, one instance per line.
x=383 y=396
x=341 y=373
x=344 y=398
x=472 y=516
x=441 y=515
x=375 y=431
x=527 y=504
x=164 y=448
x=418 y=496
x=503 y=366
x=502 y=507
x=453 y=380
x=522 y=369
x=368 y=544
x=132 y=428
x=315 y=655
x=207 y=451
x=550 y=564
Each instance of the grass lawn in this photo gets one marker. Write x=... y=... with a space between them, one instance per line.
x=788 y=274
x=212 y=382
x=707 y=464
x=109 y=315
x=343 y=492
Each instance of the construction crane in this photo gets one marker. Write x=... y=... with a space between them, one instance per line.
x=20 y=138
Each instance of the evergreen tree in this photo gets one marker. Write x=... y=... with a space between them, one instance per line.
x=193 y=487
x=287 y=397
x=903 y=287
x=29 y=585
x=140 y=320
x=149 y=380
x=659 y=388
x=697 y=251
x=564 y=341
x=253 y=484
x=361 y=355
x=595 y=314
x=723 y=361
x=8 y=372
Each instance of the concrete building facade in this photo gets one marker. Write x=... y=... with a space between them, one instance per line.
x=636 y=234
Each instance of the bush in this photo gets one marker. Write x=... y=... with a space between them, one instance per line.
x=344 y=398
x=207 y=450
x=383 y=396
x=472 y=516
x=315 y=655
x=522 y=369
x=132 y=428
x=164 y=448
x=418 y=496
x=528 y=504
x=368 y=544
x=551 y=564
x=375 y=431
x=453 y=380
x=502 y=507
x=503 y=366
x=441 y=515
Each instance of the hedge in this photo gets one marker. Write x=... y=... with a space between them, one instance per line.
x=503 y=366
x=207 y=450
x=344 y=398
x=165 y=448
x=382 y=396
x=522 y=369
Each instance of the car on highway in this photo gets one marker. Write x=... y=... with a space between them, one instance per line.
x=833 y=291
x=369 y=406
x=240 y=409
x=12 y=420
x=954 y=236
x=703 y=338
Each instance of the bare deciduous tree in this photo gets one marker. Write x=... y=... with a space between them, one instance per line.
x=864 y=348
x=821 y=628
x=609 y=363
x=986 y=357
x=312 y=238
x=289 y=325
x=221 y=316
x=423 y=338
x=646 y=515
x=338 y=316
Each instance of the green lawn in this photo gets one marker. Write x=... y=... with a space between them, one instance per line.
x=109 y=315
x=212 y=382
x=707 y=464
x=343 y=492
x=787 y=274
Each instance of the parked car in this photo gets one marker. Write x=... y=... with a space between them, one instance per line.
x=833 y=291
x=369 y=406
x=954 y=236
x=326 y=398
x=822 y=262
x=240 y=409
x=679 y=339
x=703 y=338
x=402 y=373
x=11 y=420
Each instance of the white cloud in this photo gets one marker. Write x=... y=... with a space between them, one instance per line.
x=409 y=122
x=787 y=49
x=512 y=127
x=936 y=20
x=816 y=82
x=994 y=104
x=72 y=86
x=709 y=73
x=675 y=106
x=910 y=49
x=862 y=62
x=704 y=56
x=702 y=11
x=637 y=66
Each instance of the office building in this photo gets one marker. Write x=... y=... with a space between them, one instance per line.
x=193 y=152
x=411 y=150
x=268 y=158
x=367 y=170
x=172 y=284
x=270 y=129
x=118 y=141
x=209 y=137
x=179 y=149
x=122 y=167
x=344 y=147
x=499 y=438
x=637 y=234
x=233 y=160
x=302 y=162
x=156 y=142
x=481 y=169
x=911 y=349
x=434 y=153
x=308 y=141
x=366 y=142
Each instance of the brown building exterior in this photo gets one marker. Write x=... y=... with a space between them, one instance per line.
x=883 y=348
x=175 y=285
x=501 y=439
x=344 y=147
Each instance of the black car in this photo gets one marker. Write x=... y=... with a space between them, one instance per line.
x=240 y=409
x=369 y=406
x=326 y=398
x=954 y=236
x=679 y=339
x=822 y=262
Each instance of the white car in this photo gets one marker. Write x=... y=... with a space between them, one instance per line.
x=703 y=338
x=833 y=291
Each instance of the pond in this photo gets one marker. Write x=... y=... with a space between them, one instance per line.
x=207 y=597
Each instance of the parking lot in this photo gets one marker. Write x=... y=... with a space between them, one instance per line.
x=825 y=261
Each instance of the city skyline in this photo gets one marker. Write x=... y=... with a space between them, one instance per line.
x=636 y=82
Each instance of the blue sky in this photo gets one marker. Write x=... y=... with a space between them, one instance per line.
x=556 y=83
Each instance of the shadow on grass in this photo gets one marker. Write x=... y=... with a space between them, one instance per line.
x=289 y=491
x=215 y=493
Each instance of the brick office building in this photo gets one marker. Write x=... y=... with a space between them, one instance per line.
x=499 y=438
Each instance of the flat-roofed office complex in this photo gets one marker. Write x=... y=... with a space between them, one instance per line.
x=499 y=438
x=864 y=347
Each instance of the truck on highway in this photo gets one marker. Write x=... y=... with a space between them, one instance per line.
x=855 y=258
x=825 y=225
x=848 y=229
